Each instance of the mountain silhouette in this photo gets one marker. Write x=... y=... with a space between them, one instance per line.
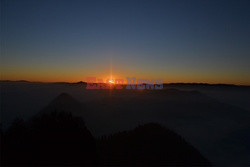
x=64 y=102
x=56 y=138
x=149 y=144
x=198 y=116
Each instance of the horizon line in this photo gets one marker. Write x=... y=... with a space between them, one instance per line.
x=166 y=83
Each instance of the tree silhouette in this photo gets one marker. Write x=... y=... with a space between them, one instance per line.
x=57 y=138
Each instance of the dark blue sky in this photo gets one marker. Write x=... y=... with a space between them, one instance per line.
x=179 y=41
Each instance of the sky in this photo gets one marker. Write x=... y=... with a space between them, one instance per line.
x=204 y=41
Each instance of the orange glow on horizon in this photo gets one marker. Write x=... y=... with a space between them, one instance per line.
x=83 y=79
x=76 y=76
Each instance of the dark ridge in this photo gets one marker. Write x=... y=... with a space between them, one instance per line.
x=14 y=81
x=69 y=83
x=60 y=83
x=59 y=138
x=149 y=144
x=35 y=82
x=80 y=82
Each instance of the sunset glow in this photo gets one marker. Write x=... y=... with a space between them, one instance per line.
x=125 y=82
x=48 y=46
x=111 y=81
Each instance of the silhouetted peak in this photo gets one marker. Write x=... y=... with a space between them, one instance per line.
x=64 y=102
x=64 y=96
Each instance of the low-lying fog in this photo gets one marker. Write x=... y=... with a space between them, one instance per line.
x=214 y=119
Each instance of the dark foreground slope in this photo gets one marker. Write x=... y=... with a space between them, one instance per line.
x=219 y=130
x=58 y=138
x=149 y=144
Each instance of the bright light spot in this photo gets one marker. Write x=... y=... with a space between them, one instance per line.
x=111 y=81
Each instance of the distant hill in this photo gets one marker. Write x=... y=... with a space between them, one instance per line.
x=34 y=82
x=64 y=102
